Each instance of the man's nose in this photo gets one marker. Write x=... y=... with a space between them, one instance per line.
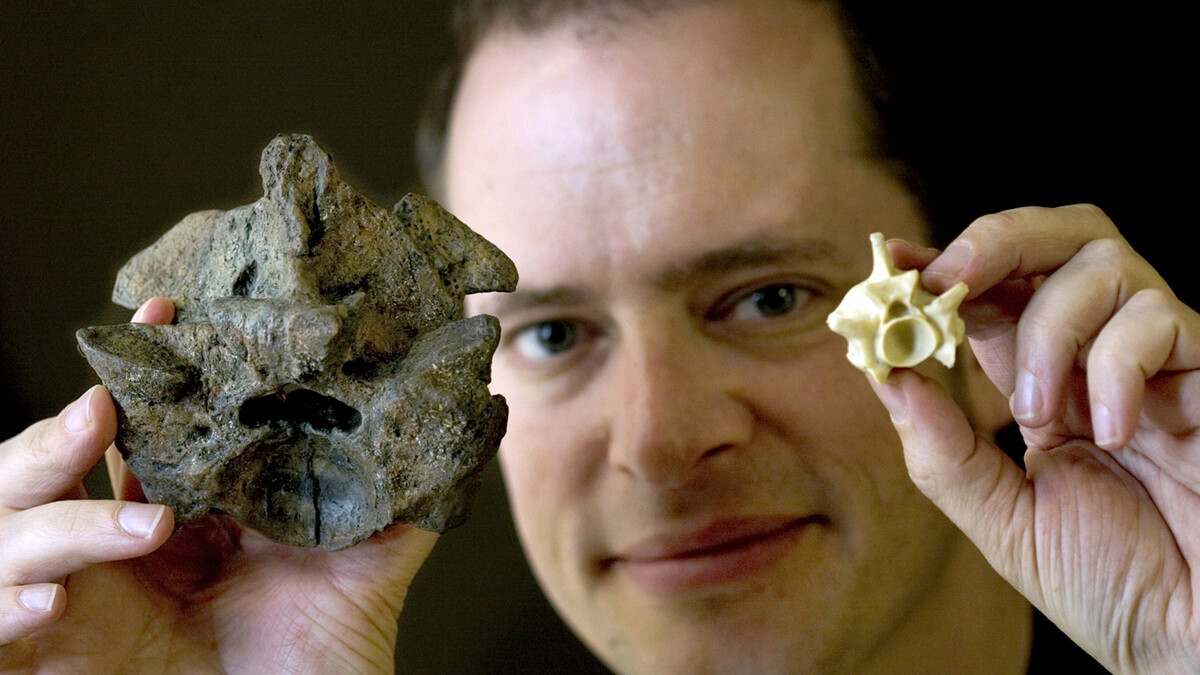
x=676 y=404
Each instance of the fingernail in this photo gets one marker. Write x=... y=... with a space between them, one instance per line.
x=951 y=263
x=140 y=520
x=1027 y=398
x=895 y=400
x=39 y=598
x=140 y=313
x=79 y=413
x=1104 y=425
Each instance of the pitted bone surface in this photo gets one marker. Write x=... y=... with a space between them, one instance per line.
x=320 y=382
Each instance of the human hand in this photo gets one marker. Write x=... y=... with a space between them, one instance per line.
x=1099 y=362
x=103 y=586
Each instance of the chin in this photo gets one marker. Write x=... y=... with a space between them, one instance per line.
x=727 y=631
x=700 y=655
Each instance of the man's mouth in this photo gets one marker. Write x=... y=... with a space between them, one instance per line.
x=719 y=553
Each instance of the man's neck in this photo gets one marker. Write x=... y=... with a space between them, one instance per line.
x=971 y=622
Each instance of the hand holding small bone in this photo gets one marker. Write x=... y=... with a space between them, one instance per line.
x=1098 y=359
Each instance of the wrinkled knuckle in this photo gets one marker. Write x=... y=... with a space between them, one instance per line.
x=52 y=453
x=1093 y=212
x=37 y=440
x=996 y=224
x=924 y=477
x=14 y=550
x=34 y=483
x=76 y=524
x=1109 y=355
x=1056 y=332
x=1109 y=251
x=1153 y=302
x=72 y=461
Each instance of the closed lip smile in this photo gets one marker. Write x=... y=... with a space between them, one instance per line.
x=720 y=552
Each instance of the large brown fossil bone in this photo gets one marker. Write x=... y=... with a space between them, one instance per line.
x=320 y=382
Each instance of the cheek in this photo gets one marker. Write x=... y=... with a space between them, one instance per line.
x=545 y=461
x=892 y=537
x=833 y=418
x=544 y=465
x=824 y=395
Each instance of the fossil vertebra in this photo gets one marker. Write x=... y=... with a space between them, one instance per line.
x=320 y=382
x=890 y=322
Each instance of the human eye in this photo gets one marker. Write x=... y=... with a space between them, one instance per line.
x=770 y=302
x=765 y=302
x=549 y=340
x=770 y=311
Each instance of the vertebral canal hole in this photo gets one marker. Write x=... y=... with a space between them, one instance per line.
x=294 y=405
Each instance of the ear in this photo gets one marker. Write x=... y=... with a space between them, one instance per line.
x=986 y=407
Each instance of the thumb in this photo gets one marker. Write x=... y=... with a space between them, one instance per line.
x=971 y=480
x=382 y=567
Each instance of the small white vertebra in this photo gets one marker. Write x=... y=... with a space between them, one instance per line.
x=890 y=322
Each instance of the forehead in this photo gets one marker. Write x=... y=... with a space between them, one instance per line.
x=709 y=121
x=693 y=76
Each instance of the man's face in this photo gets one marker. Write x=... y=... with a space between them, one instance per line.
x=700 y=479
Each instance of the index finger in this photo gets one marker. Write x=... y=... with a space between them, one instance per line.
x=1019 y=243
x=49 y=458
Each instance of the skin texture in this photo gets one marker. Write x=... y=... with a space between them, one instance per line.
x=657 y=403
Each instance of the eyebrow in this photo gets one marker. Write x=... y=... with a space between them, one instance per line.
x=753 y=253
x=558 y=296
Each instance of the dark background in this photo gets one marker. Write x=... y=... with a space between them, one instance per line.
x=118 y=119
